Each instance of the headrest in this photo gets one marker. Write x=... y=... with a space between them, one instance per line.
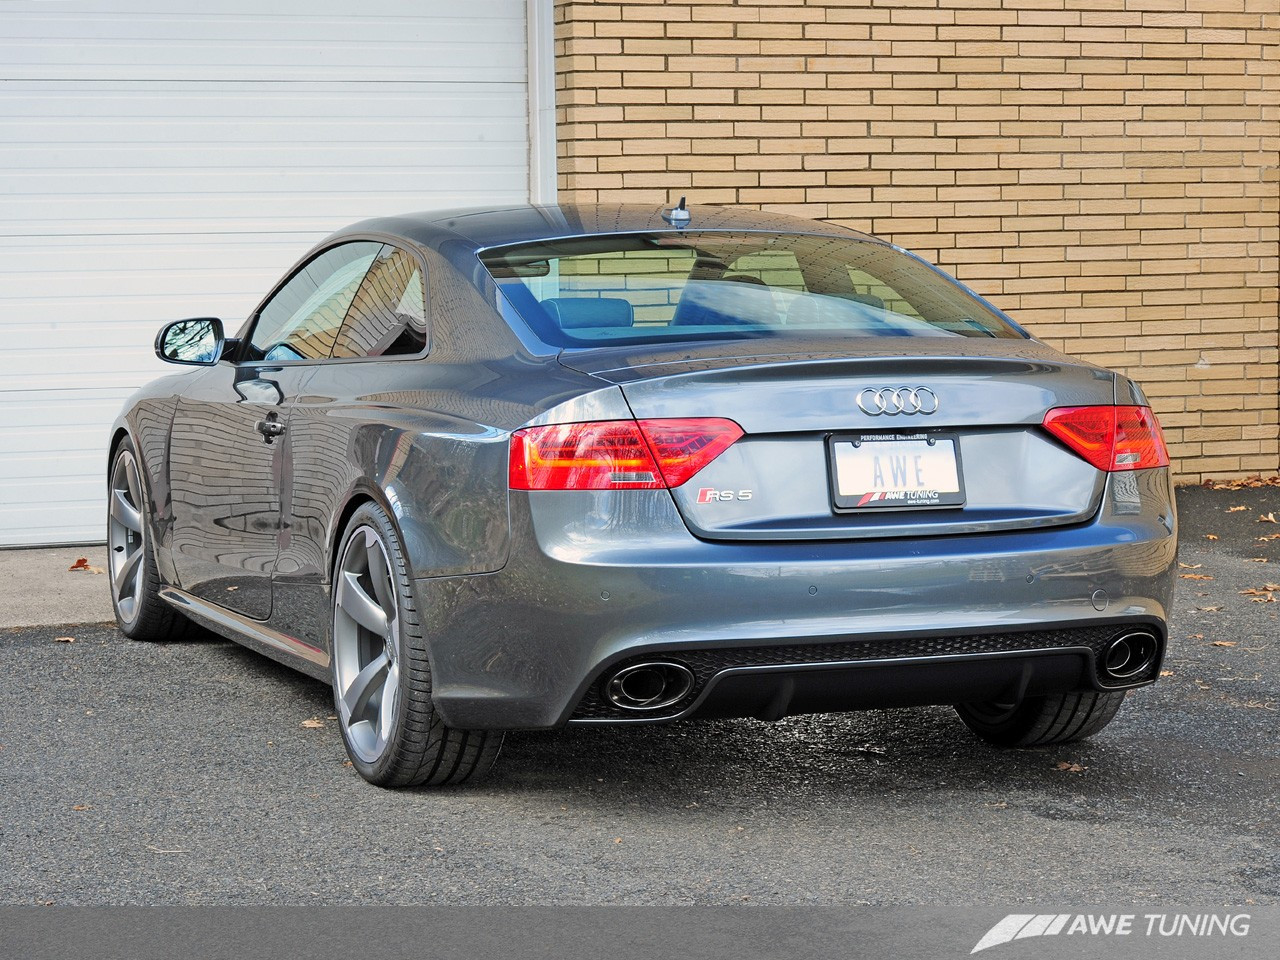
x=578 y=312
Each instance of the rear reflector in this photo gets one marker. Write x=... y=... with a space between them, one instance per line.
x=616 y=454
x=1110 y=438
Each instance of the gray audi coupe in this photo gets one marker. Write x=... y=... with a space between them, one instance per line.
x=495 y=469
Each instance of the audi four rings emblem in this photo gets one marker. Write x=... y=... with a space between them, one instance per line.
x=891 y=401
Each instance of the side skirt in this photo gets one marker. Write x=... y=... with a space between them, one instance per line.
x=250 y=633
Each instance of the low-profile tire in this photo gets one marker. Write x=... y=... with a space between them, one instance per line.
x=380 y=673
x=1042 y=721
x=131 y=559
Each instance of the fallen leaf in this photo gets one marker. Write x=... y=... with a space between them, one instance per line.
x=1223 y=643
x=1248 y=483
x=1195 y=576
x=1166 y=673
x=1256 y=560
x=1190 y=566
x=64 y=639
x=1268 y=518
x=1270 y=536
x=1236 y=509
x=1260 y=591
x=81 y=564
x=1195 y=636
x=82 y=806
x=232 y=589
x=1269 y=598
x=95 y=570
x=617 y=839
x=1211 y=536
x=1070 y=767
x=313 y=724
x=1208 y=609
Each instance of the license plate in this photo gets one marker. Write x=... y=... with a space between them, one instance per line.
x=874 y=471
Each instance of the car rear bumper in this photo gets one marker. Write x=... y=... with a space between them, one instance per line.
x=597 y=581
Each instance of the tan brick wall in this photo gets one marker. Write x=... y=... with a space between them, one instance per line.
x=1105 y=170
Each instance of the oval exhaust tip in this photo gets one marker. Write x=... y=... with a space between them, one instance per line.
x=649 y=686
x=1129 y=655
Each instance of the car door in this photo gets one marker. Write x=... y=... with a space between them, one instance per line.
x=336 y=433
x=229 y=449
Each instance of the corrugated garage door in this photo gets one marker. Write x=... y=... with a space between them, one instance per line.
x=169 y=158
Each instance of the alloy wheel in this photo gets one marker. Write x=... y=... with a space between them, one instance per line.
x=126 y=536
x=366 y=644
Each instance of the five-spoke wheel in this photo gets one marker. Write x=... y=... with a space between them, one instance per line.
x=135 y=581
x=381 y=674
x=366 y=644
x=126 y=536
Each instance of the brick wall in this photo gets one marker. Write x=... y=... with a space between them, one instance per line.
x=1105 y=170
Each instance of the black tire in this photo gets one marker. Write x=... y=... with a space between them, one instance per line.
x=405 y=743
x=1042 y=721
x=133 y=578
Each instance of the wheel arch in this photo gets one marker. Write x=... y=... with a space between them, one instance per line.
x=119 y=434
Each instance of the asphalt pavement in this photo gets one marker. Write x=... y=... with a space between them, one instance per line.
x=200 y=773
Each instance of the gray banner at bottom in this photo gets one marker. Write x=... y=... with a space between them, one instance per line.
x=637 y=933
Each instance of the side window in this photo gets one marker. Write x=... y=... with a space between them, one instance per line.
x=388 y=316
x=302 y=320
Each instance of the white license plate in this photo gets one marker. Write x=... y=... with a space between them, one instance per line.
x=878 y=470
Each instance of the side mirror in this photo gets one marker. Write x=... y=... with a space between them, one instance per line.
x=198 y=341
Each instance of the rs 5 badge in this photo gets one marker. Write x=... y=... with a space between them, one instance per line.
x=712 y=495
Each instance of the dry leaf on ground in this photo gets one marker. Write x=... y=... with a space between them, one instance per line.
x=1195 y=576
x=1211 y=536
x=1190 y=566
x=1208 y=609
x=80 y=564
x=1248 y=483
x=1268 y=518
x=1166 y=673
x=64 y=639
x=313 y=724
x=1223 y=643
x=1071 y=767
x=1236 y=509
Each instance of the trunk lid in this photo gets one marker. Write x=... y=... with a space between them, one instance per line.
x=818 y=444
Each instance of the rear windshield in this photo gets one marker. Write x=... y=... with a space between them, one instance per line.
x=652 y=288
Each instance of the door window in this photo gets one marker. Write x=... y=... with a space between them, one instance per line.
x=302 y=320
x=388 y=315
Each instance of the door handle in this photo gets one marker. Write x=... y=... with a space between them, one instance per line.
x=270 y=429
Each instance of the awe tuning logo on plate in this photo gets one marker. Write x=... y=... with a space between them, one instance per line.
x=895 y=470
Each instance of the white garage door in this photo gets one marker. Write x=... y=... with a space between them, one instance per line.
x=170 y=158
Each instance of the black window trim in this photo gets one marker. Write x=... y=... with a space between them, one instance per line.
x=246 y=330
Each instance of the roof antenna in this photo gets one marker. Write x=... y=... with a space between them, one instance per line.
x=678 y=216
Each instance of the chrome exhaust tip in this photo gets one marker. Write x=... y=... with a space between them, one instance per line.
x=649 y=686
x=1129 y=655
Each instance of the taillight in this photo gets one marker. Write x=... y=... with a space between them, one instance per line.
x=616 y=454
x=1110 y=438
